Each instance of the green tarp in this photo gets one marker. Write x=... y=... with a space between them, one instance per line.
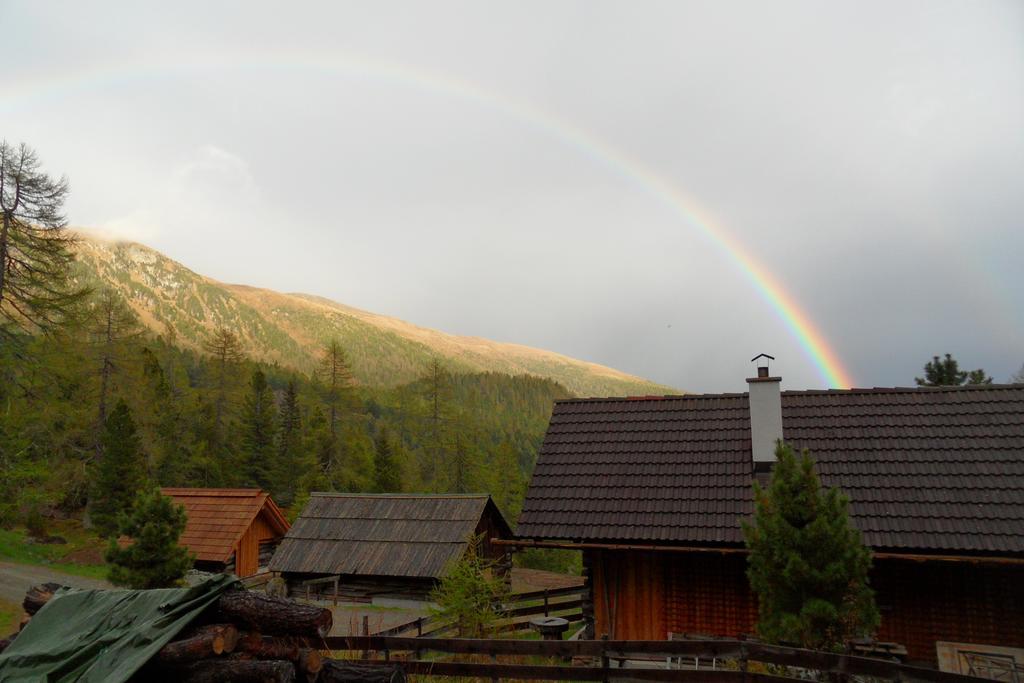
x=103 y=636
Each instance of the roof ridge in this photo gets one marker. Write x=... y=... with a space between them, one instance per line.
x=851 y=390
x=383 y=496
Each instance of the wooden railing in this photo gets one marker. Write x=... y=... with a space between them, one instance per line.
x=727 y=661
x=515 y=613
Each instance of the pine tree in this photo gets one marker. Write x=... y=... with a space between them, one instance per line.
x=942 y=372
x=153 y=559
x=387 y=473
x=121 y=471
x=807 y=563
x=36 y=290
x=258 y=428
x=289 y=447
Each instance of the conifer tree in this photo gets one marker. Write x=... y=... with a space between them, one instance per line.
x=941 y=372
x=121 y=470
x=437 y=392
x=387 y=473
x=258 y=428
x=470 y=595
x=36 y=290
x=289 y=446
x=507 y=481
x=1018 y=378
x=112 y=325
x=153 y=559
x=227 y=357
x=336 y=376
x=807 y=563
x=164 y=421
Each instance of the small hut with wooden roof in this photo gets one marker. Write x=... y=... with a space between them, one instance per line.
x=230 y=530
x=387 y=545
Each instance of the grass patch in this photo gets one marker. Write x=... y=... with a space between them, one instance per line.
x=10 y=617
x=15 y=547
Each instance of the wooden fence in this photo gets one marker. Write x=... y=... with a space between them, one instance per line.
x=724 y=661
x=516 y=613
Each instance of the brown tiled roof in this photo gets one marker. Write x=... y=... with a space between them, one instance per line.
x=927 y=470
x=217 y=518
x=403 y=535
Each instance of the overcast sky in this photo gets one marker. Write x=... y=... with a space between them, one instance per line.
x=502 y=169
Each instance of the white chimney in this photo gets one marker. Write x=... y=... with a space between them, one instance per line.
x=765 y=414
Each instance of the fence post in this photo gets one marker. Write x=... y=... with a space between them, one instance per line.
x=494 y=660
x=419 y=627
x=546 y=603
x=336 y=590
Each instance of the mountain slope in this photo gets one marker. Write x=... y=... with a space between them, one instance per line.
x=290 y=329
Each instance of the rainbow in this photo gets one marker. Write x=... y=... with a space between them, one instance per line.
x=798 y=323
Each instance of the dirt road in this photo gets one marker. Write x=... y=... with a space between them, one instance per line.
x=15 y=579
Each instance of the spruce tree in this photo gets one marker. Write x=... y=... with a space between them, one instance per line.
x=289 y=464
x=153 y=558
x=387 y=473
x=121 y=470
x=259 y=423
x=807 y=563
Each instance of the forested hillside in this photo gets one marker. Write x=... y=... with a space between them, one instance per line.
x=291 y=329
x=220 y=419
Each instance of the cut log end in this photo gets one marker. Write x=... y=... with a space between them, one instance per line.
x=39 y=595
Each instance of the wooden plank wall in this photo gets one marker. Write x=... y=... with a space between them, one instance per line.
x=247 y=553
x=629 y=595
x=924 y=602
x=708 y=594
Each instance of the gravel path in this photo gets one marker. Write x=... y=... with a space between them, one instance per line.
x=16 y=579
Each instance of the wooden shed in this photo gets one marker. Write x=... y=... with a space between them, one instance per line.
x=653 y=491
x=230 y=530
x=387 y=545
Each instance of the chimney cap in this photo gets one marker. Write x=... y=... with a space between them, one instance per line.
x=762 y=366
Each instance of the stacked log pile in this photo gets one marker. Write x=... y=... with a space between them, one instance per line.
x=245 y=636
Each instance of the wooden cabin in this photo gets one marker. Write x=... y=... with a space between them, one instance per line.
x=387 y=546
x=653 y=491
x=230 y=530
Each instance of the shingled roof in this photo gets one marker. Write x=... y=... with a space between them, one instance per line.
x=403 y=535
x=928 y=470
x=217 y=518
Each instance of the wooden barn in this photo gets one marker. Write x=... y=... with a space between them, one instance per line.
x=230 y=530
x=653 y=490
x=382 y=546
